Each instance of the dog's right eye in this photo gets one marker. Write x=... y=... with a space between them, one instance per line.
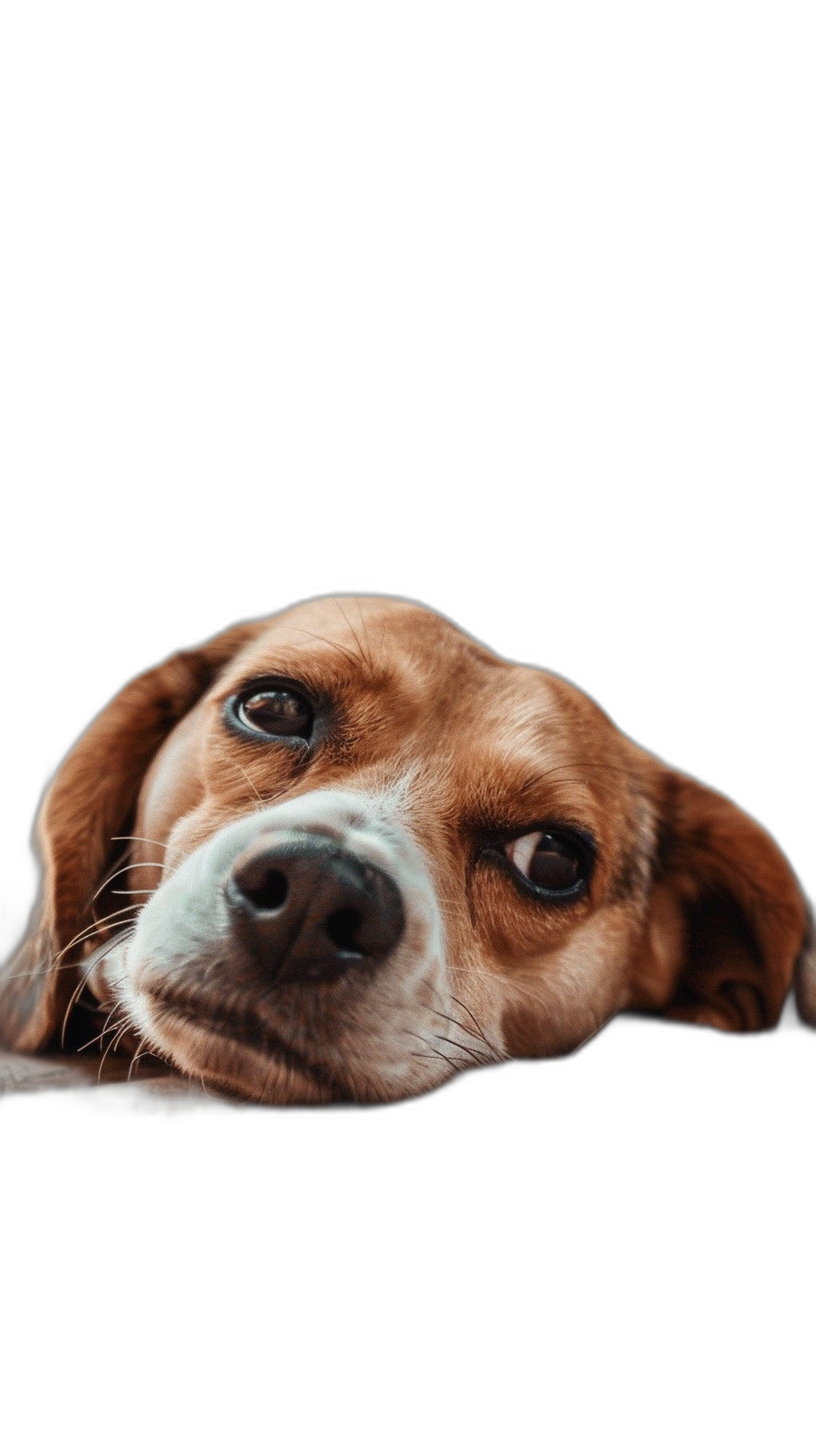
x=273 y=712
x=552 y=863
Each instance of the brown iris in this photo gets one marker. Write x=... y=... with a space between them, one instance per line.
x=276 y=712
x=552 y=862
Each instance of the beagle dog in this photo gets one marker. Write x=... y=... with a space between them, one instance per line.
x=345 y=851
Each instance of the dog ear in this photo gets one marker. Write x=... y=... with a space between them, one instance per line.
x=728 y=922
x=92 y=799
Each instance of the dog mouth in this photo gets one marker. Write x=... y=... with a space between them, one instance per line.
x=242 y=1027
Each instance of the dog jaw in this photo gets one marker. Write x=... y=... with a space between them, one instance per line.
x=195 y=997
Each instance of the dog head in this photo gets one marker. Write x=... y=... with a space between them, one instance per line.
x=362 y=852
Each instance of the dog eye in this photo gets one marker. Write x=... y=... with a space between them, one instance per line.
x=275 y=712
x=554 y=863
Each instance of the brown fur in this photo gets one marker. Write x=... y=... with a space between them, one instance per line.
x=692 y=910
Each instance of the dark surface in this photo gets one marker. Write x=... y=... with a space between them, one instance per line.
x=19 y=1073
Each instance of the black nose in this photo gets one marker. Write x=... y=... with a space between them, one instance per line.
x=309 y=910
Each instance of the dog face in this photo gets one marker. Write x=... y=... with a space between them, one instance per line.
x=362 y=852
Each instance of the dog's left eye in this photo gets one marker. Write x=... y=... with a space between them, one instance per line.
x=554 y=863
x=276 y=712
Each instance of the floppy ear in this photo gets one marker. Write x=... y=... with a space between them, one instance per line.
x=92 y=799
x=728 y=919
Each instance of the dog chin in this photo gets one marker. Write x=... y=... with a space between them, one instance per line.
x=252 y=1062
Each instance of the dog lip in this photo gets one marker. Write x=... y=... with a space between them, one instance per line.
x=244 y=1028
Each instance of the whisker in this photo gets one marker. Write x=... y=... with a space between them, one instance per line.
x=83 y=935
x=143 y=839
x=116 y=1007
x=80 y=987
x=105 y=922
x=143 y=864
x=469 y=1013
x=469 y=1051
x=82 y=983
x=143 y=1050
x=365 y=660
x=108 y=945
x=459 y=1064
x=135 y=1058
x=494 y=1051
x=127 y=1026
x=255 y=793
x=107 y=1027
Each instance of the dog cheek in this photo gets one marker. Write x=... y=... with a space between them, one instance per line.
x=556 y=1004
x=546 y=1013
x=172 y=784
x=105 y=975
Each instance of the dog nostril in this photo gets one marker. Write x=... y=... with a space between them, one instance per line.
x=343 y=928
x=267 y=891
x=307 y=909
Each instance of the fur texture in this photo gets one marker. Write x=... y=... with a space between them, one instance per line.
x=429 y=759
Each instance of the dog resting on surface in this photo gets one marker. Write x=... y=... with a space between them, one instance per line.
x=344 y=852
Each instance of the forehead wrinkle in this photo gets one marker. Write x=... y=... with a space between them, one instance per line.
x=519 y=791
x=522 y=732
x=301 y=654
x=538 y=764
x=375 y=626
x=416 y=678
